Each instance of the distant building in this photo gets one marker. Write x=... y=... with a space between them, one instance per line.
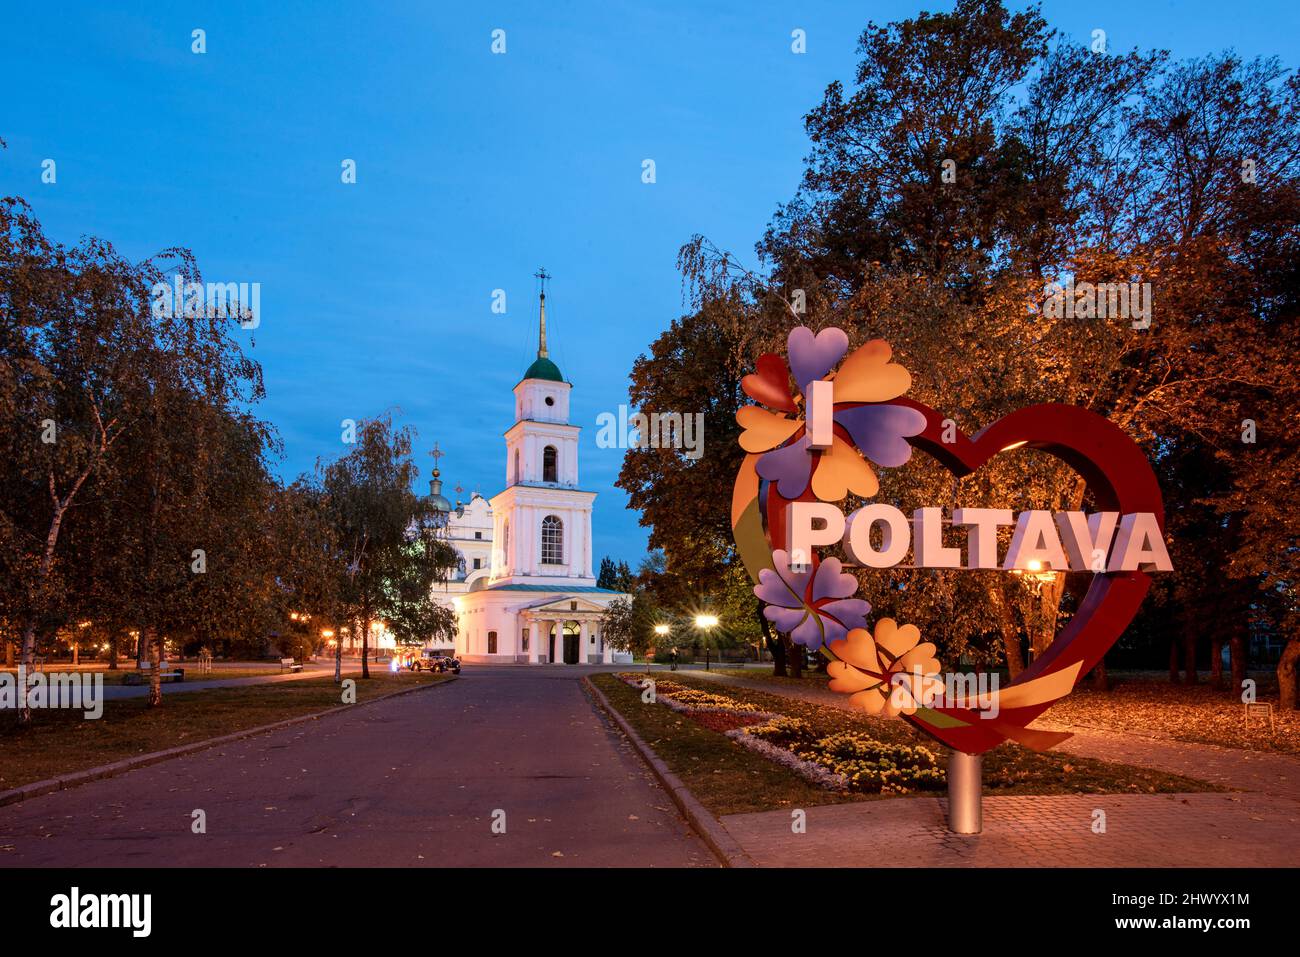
x=469 y=531
x=527 y=593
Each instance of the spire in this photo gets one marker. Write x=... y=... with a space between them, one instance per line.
x=435 y=483
x=542 y=275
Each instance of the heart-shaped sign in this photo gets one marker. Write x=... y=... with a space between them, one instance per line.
x=1116 y=473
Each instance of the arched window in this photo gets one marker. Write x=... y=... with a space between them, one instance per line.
x=549 y=456
x=552 y=540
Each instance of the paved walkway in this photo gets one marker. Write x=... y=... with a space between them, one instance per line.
x=118 y=692
x=416 y=780
x=1167 y=830
x=1260 y=826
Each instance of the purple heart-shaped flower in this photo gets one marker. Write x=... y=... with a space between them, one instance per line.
x=880 y=431
x=789 y=466
x=812 y=356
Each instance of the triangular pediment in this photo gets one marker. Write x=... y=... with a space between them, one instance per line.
x=566 y=604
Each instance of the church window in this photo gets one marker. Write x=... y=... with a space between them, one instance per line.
x=523 y=639
x=518 y=477
x=478 y=563
x=550 y=400
x=552 y=540
x=492 y=642
x=549 y=456
x=478 y=534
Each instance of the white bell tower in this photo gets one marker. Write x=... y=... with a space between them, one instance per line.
x=542 y=520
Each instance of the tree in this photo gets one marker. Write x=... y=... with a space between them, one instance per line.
x=628 y=625
x=979 y=158
x=616 y=576
x=96 y=383
x=392 y=551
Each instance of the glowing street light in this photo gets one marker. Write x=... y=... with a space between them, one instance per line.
x=663 y=630
x=704 y=623
x=1035 y=574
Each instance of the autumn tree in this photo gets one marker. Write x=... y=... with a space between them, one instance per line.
x=979 y=158
x=385 y=534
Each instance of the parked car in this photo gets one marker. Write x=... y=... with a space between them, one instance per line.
x=436 y=663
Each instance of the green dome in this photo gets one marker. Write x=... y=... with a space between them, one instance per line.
x=544 y=368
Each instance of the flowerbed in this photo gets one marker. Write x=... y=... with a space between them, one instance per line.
x=721 y=721
x=857 y=760
x=845 y=760
x=681 y=698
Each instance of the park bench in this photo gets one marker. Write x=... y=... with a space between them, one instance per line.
x=166 y=673
x=289 y=665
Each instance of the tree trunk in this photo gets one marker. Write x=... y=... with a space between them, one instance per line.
x=1189 y=657
x=1010 y=633
x=1100 y=679
x=365 y=643
x=793 y=657
x=774 y=645
x=338 y=656
x=777 y=648
x=1216 y=661
x=155 y=673
x=1238 y=650
x=1286 y=675
x=112 y=651
x=26 y=654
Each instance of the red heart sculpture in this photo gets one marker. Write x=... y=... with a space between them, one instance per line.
x=770 y=385
x=1120 y=479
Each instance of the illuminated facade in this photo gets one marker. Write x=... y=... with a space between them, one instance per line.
x=539 y=602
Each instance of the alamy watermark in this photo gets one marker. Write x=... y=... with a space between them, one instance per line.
x=1100 y=300
x=653 y=430
x=952 y=689
x=212 y=300
x=81 y=691
x=74 y=910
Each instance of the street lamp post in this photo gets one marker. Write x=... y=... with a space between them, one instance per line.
x=705 y=623
x=662 y=630
x=1036 y=576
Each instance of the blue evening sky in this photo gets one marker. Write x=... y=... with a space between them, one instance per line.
x=472 y=170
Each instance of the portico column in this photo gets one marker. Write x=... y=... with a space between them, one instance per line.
x=534 y=641
x=606 y=652
x=582 y=642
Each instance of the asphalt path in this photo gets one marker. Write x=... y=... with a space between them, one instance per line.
x=505 y=766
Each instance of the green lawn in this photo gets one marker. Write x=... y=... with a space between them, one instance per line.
x=60 y=742
x=729 y=778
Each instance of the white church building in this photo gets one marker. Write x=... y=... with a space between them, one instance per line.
x=536 y=601
x=469 y=531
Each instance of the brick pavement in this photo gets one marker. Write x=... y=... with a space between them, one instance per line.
x=1257 y=827
x=1165 y=830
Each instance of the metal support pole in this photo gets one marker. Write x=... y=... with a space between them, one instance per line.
x=965 y=811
